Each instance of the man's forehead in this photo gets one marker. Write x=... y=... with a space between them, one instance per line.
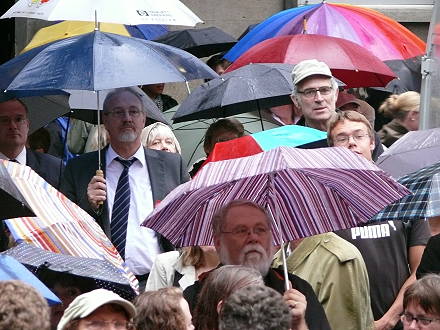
x=245 y=213
x=315 y=81
x=349 y=126
x=12 y=107
x=124 y=99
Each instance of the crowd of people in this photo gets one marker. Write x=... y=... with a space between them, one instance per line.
x=379 y=276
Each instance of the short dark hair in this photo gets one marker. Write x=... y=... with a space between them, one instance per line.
x=215 y=60
x=426 y=293
x=256 y=307
x=220 y=283
x=227 y=124
x=350 y=115
x=22 y=307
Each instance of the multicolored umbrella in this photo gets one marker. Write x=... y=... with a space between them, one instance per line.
x=60 y=225
x=288 y=136
x=101 y=273
x=424 y=201
x=307 y=191
x=349 y=62
x=381 y=35
x=69 y=29
x=11 y=269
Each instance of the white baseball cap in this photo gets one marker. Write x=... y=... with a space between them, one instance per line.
x=309 y=68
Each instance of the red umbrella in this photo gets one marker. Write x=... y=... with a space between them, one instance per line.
x=349 y=62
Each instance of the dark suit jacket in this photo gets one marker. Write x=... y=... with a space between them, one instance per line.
x=46 y=166
x=166 y=171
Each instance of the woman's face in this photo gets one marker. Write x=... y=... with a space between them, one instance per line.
x=186 y=314
x=164 y=143
x=416 y=318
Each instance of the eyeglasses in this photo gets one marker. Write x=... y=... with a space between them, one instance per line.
x=344 y=139
x=99 y=325
x=4 y=121
x=242 y=232
x=408 y=318
x=311 y=92
x=121 y=113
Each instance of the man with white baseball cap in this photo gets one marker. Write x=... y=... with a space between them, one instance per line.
x=97 y=309
x=315 y=92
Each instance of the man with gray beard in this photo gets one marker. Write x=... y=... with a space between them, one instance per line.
x=243 y=236
x=134 y=180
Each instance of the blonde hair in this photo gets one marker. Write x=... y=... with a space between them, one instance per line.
x=398 y=106
x=150 y=132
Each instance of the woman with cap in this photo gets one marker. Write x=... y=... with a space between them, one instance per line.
x=96 y=310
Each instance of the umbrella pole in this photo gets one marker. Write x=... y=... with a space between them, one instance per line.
x=187 y=87
x=261 y=118
x=283 y=253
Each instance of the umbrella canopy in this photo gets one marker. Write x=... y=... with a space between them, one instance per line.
x=168 y=12
x=97 y=61
x=381 y=35
x=253 y=87
x=424 y=201
x=103 y=273
x=410 y=153
x=41 y=109
x=199 y=42
x=409 y=75
x=191 y=134
x=69 y=29
x=288 y=136
x=307 y=191
x=60 y=225
x=84 y=106
x=11 y=269
x=349 y=62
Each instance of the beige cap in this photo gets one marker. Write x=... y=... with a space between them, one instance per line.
x=309 y=68
x=85 y=304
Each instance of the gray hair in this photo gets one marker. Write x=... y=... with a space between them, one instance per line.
x=118 y=91
x=150 y=132
x=255 y=307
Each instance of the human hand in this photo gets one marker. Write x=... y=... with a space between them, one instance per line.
x=385 y=323
x=96 y=191
x=298 y=304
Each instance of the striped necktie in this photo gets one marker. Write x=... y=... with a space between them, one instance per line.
x=121 y=206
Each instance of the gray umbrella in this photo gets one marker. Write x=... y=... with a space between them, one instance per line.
x=413 y=151
x=103 y=273
x=42 y=109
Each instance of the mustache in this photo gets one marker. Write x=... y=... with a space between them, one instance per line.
x=254 y=247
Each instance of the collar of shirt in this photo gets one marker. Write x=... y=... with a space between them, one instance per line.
x=21 y=157
x=111 y=155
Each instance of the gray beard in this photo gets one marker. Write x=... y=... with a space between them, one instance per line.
x=261 y=264
x=127 y=137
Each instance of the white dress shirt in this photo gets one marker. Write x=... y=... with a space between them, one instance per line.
x=142 y=245
x=21 y=157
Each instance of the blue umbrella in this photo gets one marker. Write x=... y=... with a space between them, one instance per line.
x=11 y=269
x=146 y=31
x=98 y=61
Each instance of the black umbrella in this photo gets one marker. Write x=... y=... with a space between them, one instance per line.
x=199 y=42
x=409 y=75
x=101 y=273
x=42 y=108
x=251 y=87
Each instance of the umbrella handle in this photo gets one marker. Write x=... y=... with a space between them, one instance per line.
x=101 y=174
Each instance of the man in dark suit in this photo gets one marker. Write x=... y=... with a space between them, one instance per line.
x=151 y=175
x=14 y=129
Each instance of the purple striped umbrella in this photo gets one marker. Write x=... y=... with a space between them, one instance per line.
x=307 y=192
